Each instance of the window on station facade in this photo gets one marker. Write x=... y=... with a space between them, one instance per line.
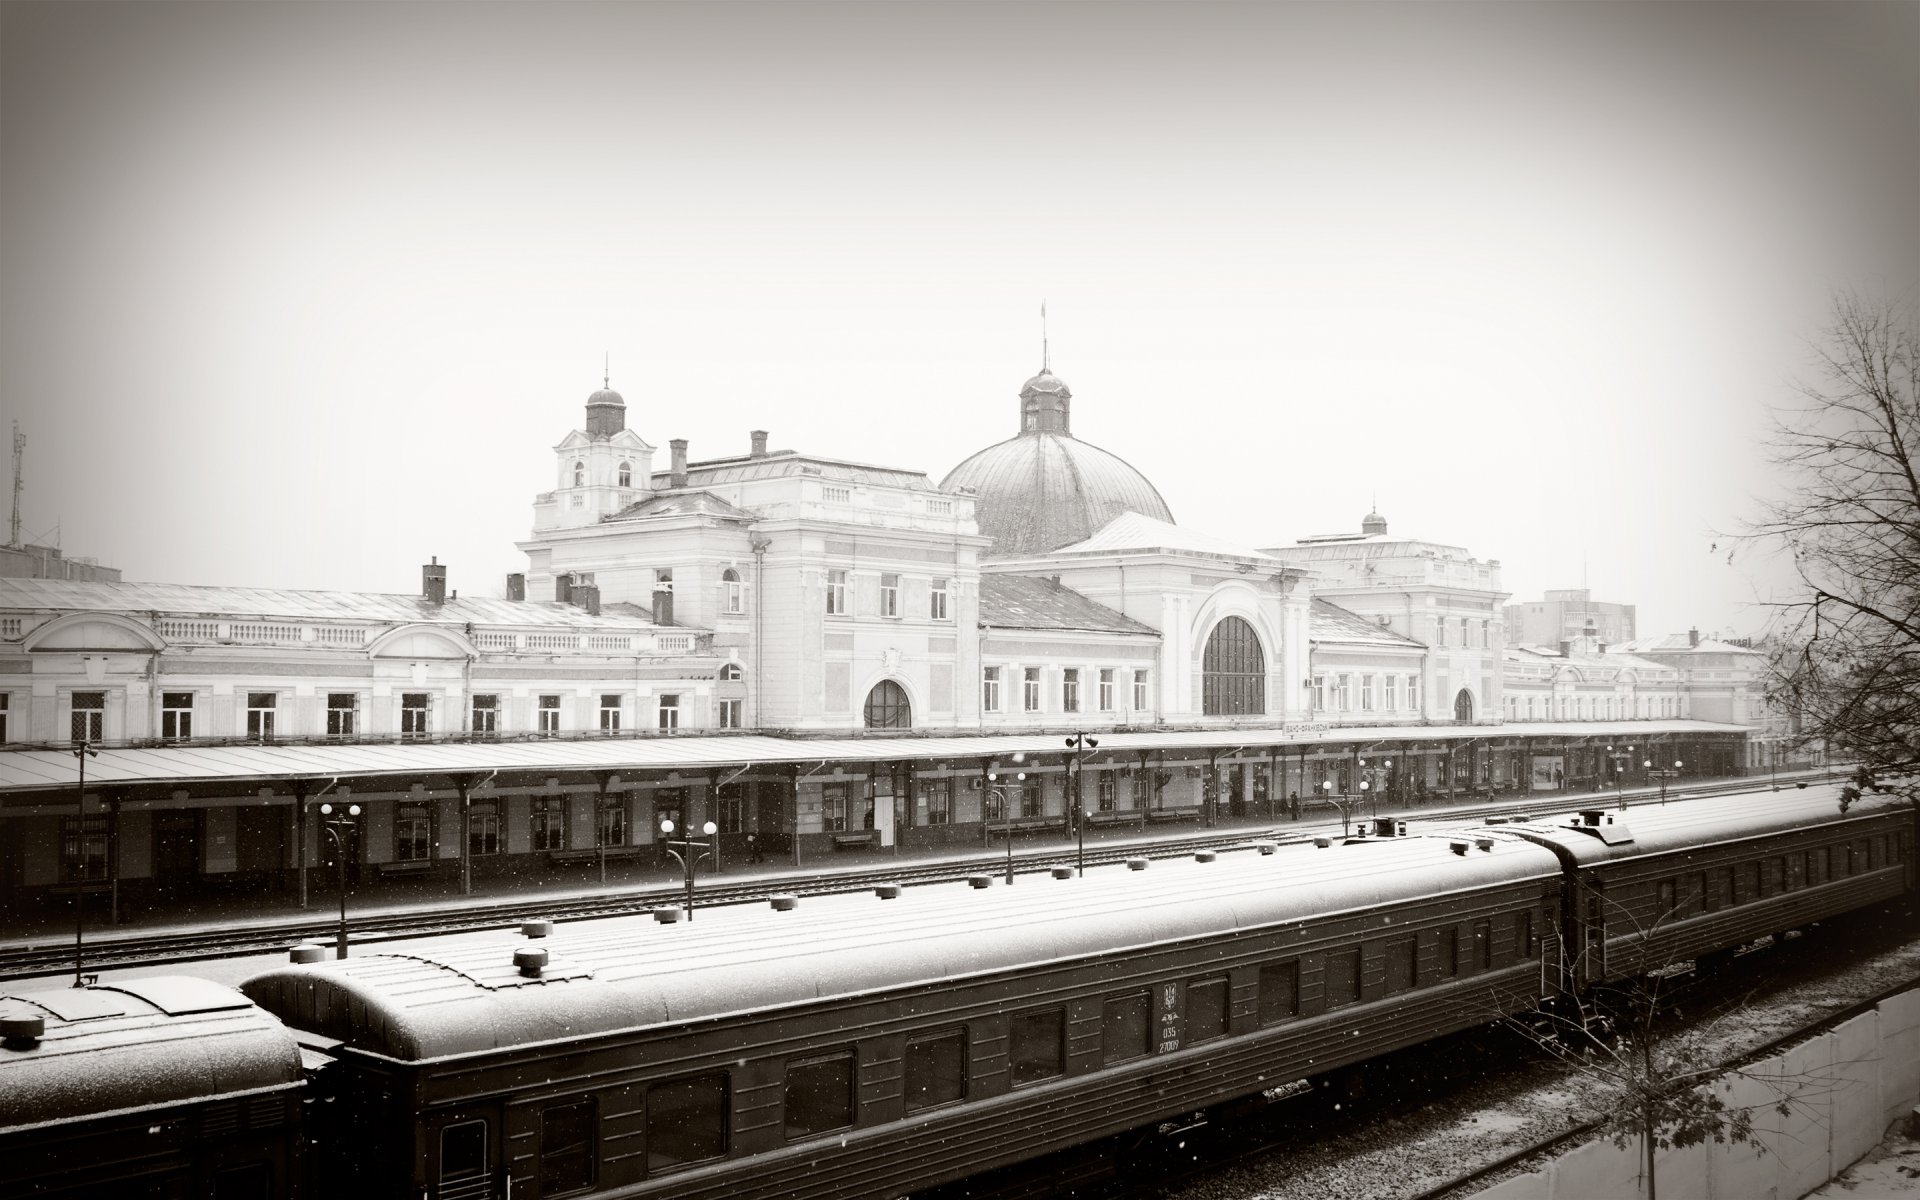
x=1390 y=692
x=1233 y=671
x=1320 y=693
x=83 y=848
x=1030 y=689
x=1070 y=690
x=483 y=828
x=731 y=673
x=889 y=595
x=579 y=473
x=1107 y=789
x=669 y=713
x=833 y=807
x=610 y=713
x=413 y=714
x=1343 y=692
x=990 y=689
x=933 y=802
x=626 y=474
x=613 y=822
x=260 y=713
x=1463 y=706
x=4 y=697
x=486 y=715
x=1106 y=689
x=549 y=716
x=937 y=600
x=1140 y=704
x=887 y=707
x=730 y=808
x=176 y=715
x=413 y=832
x=342 y=714
x=548 y=822
x=730 y=714
x=836 y=593
x=733 y=593
x=1366 y=693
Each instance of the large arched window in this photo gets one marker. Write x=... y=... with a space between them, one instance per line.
x=579 y=474
x=732 y=597
x=626 y=474
x=1463 y=706
x=1233 y=671
x=887 y=707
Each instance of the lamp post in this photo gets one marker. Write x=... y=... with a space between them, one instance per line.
x=1080 y=743
x=686 y=855
x=1326 y=789
x=1620 y=760
x=1664 y=774
x=81 y=753
x=997 y=796
x=337 y=822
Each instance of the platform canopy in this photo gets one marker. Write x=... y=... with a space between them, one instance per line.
x=41 y=770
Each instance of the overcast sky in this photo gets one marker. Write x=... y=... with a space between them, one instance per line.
x=300 y=295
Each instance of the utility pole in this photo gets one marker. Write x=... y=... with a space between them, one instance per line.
x=19 y=448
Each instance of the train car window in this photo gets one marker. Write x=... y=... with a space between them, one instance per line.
x=1669 y=901
x=686 y=1121
x=566 y=1147
x=1849 y=859
x=1449 y=952
x=1403 y=963
x=1812 y=868
x=1749 y=883
x=1279 y=991
x=1703 y=892
x=1482 y=945
x=1206 y=1009
x=1039 y=1044
x=1877 y=852
x=819 y=1094
x=251 y=1181
x=463 y=1156
x=1343 y=977
x=1126 y=1028
x=1523 y=934
x=937 y=1069
x=1773 y=879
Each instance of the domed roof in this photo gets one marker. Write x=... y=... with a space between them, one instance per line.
x=606 y=395
x=1046 y=381
x=1042 y=490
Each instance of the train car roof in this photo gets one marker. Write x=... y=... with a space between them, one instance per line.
x=1692 y=824
x=463 y=995
x=134 y=1044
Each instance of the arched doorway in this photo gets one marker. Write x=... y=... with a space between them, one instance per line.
x=1463 y=706
x=1233 y=671
x=888 y=707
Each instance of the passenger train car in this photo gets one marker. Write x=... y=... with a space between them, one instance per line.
x=868 y=1046
x=164 y=1088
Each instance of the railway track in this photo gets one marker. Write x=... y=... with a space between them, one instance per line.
x=54 y=955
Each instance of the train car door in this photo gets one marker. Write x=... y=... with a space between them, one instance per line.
x=463 y=1154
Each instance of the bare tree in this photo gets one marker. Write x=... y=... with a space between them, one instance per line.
x=1846 y=656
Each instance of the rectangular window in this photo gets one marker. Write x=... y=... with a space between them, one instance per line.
x=732 y=597
x=730 y=714
x=1668 y=900
x=1038 y=1044
x=1070 y=690
x=669 y=713
x=1343 y=977
x=83 y=848
x=486 y=713
x=610 y=713
x=548 y=821
x=483 y=828
x=1343 y=692
x=936 y=801
x=937 y=600
x=936 y=1068
x=1320 y=693
x=1403 y=963
x=1413 y=692
x=1279 y=991
x=1107 y=788
x=1439 y=631
x=413 y=714
x=549 y=716
x=833 y=807
x=990 y=689
x=1392 y=697
x=566 y=1147
x=1482 y=945
x=836 y=593
x=686 y=1121
x=1030 y=689
x=413 y=832
x=1106 y=689
x=1206 y=1009
x=342 y=714
x=1126 y=1028
x=463 y=1158
x=176 y=715
x=819 y=1094
x=89 y=716
x=889 y=595
x=1140 y=704
x=1366 y=693
x=1449 y=952
x=260 y=711
x=613 y=822
x=1032 y=797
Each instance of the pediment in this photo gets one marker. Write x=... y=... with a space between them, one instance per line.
x=92 y=631
x=421 y=641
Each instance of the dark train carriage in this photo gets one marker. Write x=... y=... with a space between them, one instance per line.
x=165 y=1088
x=859 y=1046
x=1662 y=885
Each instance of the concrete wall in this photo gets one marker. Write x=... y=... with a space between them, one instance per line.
x=1843 y=1088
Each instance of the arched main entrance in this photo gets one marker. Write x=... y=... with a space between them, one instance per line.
x=888 y=707
x=1463 y=706
x=1233 y=671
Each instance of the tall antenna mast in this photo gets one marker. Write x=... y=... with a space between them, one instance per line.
x=1046 y=360
x=19 y=447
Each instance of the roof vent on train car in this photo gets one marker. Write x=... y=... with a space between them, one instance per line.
x=1389 y=827
x=1136 y=864
x=536 y=929
x=1266 y=847
x=1459 y=848
x=784 y=902
x=1061 y=872
x=979 y=881
x=1595 y=816
x=888 y=891
x=1205 y=856
x=666 y=916
x=22 y=1032
x=1323 y=842
x=1485 y=844
x=531 y=960
x=1601 y=824
x=308 y=953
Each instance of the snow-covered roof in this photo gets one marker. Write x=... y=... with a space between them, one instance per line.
x=1131 y=531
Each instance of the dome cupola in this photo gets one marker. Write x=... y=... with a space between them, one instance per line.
x=606 y=411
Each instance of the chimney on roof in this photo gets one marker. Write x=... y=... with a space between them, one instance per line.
x=759 y=437
x=587 y=596
x=679 y=478
x=1566 y=648
x=516 y=586
x=433 y=582
x=563 y=588
x=1693 y=637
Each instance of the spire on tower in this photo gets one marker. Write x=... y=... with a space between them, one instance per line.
x=1046 y=361
x=606 y=371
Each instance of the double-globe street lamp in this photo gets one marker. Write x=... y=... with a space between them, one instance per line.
x=1663 y=775
x=1621 y=760
x=691 y=851
x=1080 y=743
x=338 y=822
x=997 y=800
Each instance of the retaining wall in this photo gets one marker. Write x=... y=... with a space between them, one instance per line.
x=1844 y=1087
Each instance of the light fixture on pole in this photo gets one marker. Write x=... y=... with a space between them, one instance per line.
x=1621 y=759
x=81 y=753
x=1080 y=743
x=337 y=822
x=997 y=799
x=691 y=852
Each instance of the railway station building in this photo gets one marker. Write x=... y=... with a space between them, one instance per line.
x=816 y=654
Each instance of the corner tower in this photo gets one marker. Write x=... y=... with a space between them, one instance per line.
x=598 y=470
